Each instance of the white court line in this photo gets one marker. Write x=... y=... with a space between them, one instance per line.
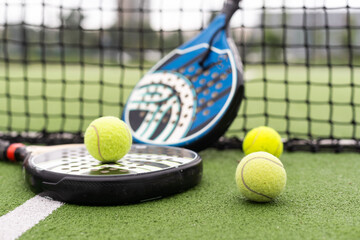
x=24 y=217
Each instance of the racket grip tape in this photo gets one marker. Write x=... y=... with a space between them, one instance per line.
x=230 y=7
x=14 y=152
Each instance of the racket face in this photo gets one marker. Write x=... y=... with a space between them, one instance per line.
x=72 y=175
x=182 y=102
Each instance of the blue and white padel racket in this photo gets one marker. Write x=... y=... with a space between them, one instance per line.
x=191 y=96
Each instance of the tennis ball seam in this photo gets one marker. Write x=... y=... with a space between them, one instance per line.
x=98 y=142
x=254 y=140
x=242 y=175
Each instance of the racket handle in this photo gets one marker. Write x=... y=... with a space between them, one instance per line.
x=230 y=7
x=234 y=2
x=15 y=152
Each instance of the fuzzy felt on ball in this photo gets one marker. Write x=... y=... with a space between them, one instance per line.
x=260 y=177
x=264 y=139
x=108 y=139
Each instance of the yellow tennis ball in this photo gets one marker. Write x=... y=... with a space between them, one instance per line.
x=260 y=177
x=108 y=139
x=263 y=139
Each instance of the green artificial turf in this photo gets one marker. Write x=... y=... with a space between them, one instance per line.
x=322 y=194
x=12 y=188
x=321 y=201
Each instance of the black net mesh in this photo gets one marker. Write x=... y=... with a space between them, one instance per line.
x=64 y=63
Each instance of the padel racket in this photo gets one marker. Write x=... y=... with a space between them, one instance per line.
x=191 y=96
x=68 y=173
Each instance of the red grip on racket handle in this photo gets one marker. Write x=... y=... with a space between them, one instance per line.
x=11 y=153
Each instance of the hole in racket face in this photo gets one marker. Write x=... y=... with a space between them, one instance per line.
x=140 y=159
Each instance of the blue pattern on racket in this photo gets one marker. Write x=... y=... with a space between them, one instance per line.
x=190 y=98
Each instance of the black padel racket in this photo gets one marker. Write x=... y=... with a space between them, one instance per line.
x=70 y=174
x=190 y=98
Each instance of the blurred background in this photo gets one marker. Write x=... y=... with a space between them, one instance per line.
x=145 y=30
x=66 y=62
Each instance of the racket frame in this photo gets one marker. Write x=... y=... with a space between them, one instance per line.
x=217 y=126
x=107 y=189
